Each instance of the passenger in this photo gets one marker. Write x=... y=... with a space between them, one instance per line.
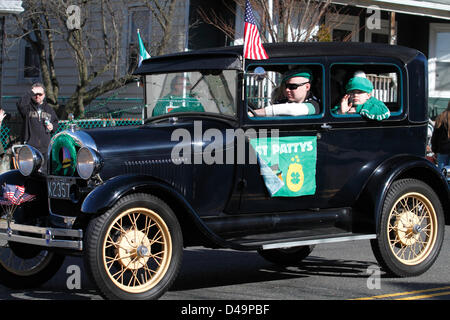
x=359 y=99
x=178 y=100
x=297 y=99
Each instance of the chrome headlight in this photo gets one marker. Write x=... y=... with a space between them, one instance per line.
x=30 y=160
x=88 y=162
x=446 y=172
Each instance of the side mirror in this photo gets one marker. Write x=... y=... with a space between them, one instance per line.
x=259 y=73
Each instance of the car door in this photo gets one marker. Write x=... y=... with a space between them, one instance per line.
x=290 y=151
x=347 y=148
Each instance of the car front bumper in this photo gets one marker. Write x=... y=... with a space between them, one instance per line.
x=41 y=236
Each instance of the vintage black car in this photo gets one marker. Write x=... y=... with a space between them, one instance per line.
x=207 y=169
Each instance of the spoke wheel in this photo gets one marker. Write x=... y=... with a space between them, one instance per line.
x=134 y=250
x=137 y=250
x=411 y=229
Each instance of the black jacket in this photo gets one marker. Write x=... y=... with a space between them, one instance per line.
x=34 y=131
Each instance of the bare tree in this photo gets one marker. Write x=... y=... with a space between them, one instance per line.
x=286 y=20
x=95 y=43
x=163 y=12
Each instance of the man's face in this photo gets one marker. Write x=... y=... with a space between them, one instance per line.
x=38 y=95
x=359 y=97
x=296 y=89
x=179 y=86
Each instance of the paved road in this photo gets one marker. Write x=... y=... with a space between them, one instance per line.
x=340 y=271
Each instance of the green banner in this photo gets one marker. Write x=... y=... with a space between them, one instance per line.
x=288 y=164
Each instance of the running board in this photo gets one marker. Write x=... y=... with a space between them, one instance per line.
x=317 y=241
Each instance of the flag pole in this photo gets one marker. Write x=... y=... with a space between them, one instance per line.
x=243 y=69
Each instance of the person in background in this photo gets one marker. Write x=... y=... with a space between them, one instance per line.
x=39 y=119
x=440 y=143
x=179 y=99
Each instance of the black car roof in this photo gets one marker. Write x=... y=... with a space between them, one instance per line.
x=229 y=57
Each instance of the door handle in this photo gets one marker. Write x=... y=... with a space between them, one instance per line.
x=325 y=126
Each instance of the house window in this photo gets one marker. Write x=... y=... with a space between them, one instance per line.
x=31 y=69
x=379 y=35
x=139 y=18
x=343 y=27
x=439 y=60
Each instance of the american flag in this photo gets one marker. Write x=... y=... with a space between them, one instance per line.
x=253 y=48
x=14 y=195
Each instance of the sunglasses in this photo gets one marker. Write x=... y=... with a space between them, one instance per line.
x=294 y=86
x=38 y=94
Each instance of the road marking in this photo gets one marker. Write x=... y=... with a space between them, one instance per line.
x=445 y=293
x=398 y=294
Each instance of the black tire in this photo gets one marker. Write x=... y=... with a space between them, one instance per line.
x=25 y=266
x=288 y=256
x=134 y=250
x=411 y=229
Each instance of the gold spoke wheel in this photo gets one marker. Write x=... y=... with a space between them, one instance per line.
x=412 y=228
x=137 y=250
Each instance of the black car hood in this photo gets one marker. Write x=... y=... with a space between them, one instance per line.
x=126 y=148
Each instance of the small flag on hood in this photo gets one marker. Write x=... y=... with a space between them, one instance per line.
x=14 y=195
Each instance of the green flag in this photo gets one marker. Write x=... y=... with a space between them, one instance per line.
x=143 y=54
x=288 y=164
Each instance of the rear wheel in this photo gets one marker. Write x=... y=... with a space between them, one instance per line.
x=411 y=229
x=134 y=250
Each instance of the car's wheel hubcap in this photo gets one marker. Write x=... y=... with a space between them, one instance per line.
x=412 y=228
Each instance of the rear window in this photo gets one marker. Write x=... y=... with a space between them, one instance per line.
x=385 y=80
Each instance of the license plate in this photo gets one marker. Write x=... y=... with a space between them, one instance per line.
x=59 y=188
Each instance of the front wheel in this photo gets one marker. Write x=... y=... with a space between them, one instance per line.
x=411 y=229
x=25 y=266
x=134 y=250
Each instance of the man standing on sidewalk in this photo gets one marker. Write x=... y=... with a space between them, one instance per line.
x=39 y=119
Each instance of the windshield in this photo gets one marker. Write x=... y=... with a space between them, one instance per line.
x=212 y=92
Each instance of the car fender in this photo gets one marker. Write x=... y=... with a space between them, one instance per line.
x=13 y=177
x=402 y=166
x=106 y=195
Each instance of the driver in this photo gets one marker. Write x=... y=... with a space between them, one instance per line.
x=178 y=100
x=297 y=98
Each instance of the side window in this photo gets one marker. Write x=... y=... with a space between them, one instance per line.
x=275 y=91
x=372 y=91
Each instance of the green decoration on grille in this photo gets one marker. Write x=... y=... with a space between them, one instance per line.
x=64 y=156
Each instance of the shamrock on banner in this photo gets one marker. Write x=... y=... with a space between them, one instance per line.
x=288 y=164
